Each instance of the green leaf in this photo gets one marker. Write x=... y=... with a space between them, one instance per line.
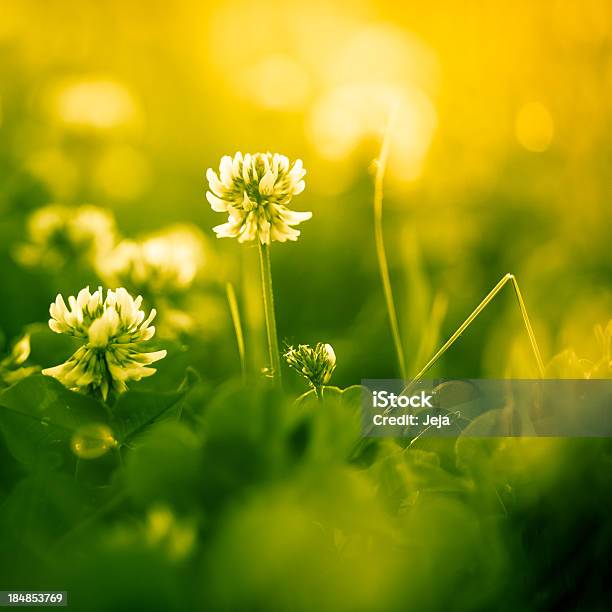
x=39 y=416
x=164 y=465
x=245 y=440
x=44 y=506
x=170 y=371
x=134 y=411
x=404 y=475
x=329 y=430
x=47 y=348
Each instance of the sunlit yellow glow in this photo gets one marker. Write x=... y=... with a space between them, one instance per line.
x=534 y=127
x=385 y=53
x=374 y=67
x=348 y=114
x=277 y=82
x=96 y=103
x=122 y=173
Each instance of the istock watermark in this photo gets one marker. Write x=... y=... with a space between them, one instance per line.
x=486 y=408
x=385 y=399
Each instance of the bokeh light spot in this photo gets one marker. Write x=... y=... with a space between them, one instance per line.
x=277 y=82
x=98 y=103
x=349 y=114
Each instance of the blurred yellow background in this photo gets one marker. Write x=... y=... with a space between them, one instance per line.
x=499 y=161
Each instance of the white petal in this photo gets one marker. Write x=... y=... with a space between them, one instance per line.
x=58 y=308
x=281 y=232
x=266 y=185
x=83 y=297
x=155 y=356
x=293 y=217
x=283 y=162
x=226 y=170
x=330 y=353
x=149 y=318
x=264 y=232
x=248 y=231
x=246 y=165
x=225 y=230
x=216 y=203
x=236 y=165
x=213 y=180
x=297 y=172
x=55 y=326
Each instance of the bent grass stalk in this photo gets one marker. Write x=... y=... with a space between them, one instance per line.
x=235 y=313
x=380 y=243
x=268 y=299
x=485 y=302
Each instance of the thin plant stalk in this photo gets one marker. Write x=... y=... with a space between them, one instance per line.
x=532 y=338
x=485 y=302
x=383 y=265
x=268 y=299
x=235 y=313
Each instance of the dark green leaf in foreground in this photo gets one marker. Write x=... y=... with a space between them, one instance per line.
x=134 y=411
x=330 y=430
x=39 y=416
x=244 y=441
x=164 y=465
x=48 y=348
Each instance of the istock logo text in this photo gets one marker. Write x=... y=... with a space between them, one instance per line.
x=385 y=399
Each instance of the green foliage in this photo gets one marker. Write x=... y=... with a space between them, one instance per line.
x=165 y=465
x=39 y=416
x=247 y=485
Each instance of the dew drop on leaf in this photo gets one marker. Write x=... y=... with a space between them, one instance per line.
x=92 y=441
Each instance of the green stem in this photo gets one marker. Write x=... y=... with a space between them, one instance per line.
x=380 y=243
x=268 y=299
x=319 y=393
x=235 y=313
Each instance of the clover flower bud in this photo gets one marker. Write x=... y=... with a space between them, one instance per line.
x=315 y=364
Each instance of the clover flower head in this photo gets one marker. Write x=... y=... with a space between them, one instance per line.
x=166 y=261
x=58 y=234
x=112 y=329
x=255 y=191
x=315 y=364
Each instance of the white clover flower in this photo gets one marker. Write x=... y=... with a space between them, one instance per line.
x=167 y=261
x=255 y=191
x=315 y=364
x=59 y=234
x=112 y=330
